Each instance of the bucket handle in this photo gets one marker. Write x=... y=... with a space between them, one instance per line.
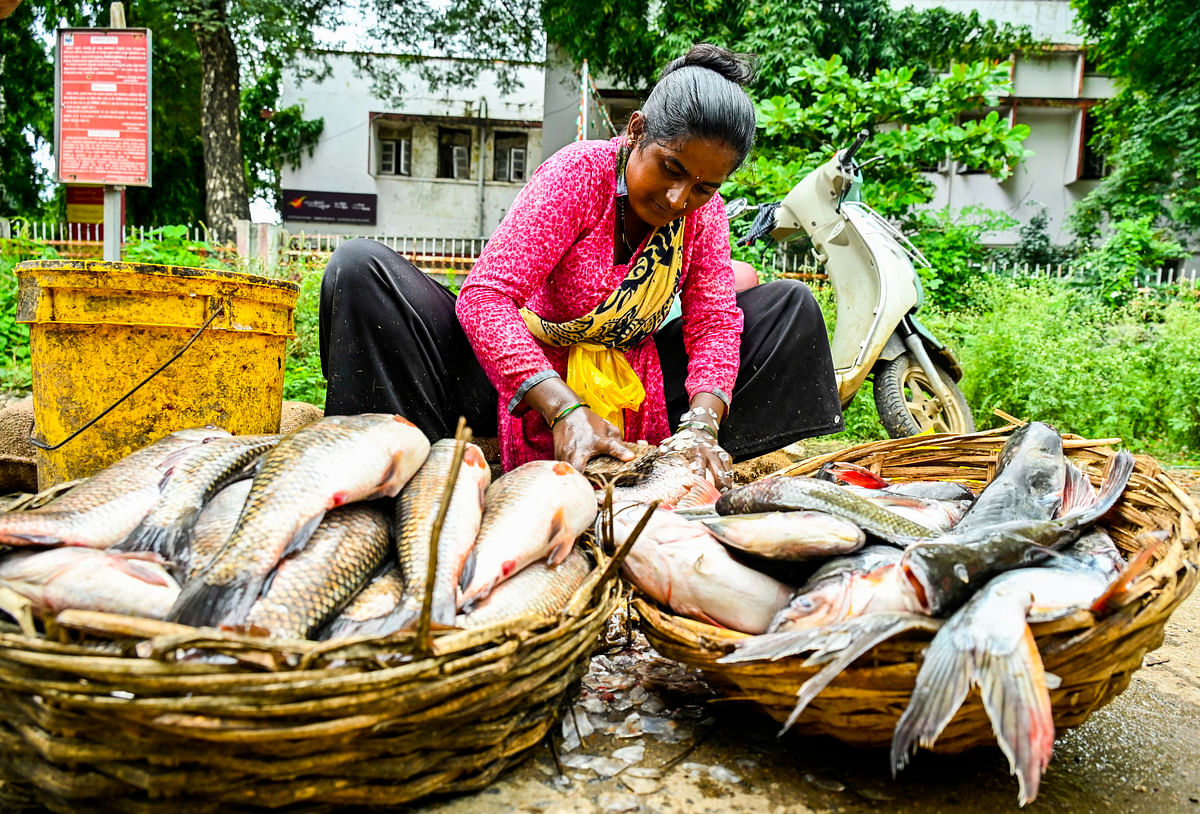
x=43 y=445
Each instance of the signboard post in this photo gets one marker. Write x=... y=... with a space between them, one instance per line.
x=102 y=113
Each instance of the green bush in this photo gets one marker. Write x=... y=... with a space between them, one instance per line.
x=302 y=379
x=953 y=245
x=1039 y=349
x=170 y=246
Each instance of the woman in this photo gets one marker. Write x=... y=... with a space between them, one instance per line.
x=562 y=316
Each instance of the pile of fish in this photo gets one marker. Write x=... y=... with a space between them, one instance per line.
x=829 y=567
x=322 y=533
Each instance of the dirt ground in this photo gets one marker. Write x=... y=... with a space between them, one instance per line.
x=662 y=752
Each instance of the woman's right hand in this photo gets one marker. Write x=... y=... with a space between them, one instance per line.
x=582 y=435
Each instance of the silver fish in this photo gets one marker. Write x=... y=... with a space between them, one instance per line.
x=374 y=611
x=164 y=530
x=534 y=512
x=102 y=510
x=417 y=508
x=798 y=493
x=680 y=564
x=211 y=530
x=132 y=583
x=331 y=462
x=988 y=643
x=307 y=588
x=787 y=535
x=537 y=588
x=946 y=571
x=670 y=481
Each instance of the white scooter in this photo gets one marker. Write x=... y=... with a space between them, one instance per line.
x=871 y=266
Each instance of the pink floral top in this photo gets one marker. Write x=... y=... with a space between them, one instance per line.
x=554 y=254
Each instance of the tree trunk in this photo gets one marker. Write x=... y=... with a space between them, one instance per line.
x=220 y=109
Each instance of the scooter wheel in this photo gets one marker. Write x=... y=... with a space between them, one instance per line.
x=907 y=404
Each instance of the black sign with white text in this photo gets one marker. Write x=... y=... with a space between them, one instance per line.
x=327 y=207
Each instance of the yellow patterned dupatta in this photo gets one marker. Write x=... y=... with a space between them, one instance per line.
x=596 y=366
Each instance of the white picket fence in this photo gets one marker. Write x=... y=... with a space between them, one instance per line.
x=83 y=233
x=1154 y=278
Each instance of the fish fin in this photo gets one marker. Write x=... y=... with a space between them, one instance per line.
x=400 y=618
x=1053 y=682
x=853 y=638
x=1013 y=690
x=941 y=687
x=700 y=493
x=1135 y=568
x=851 y=474
x=468 y=571
x=560 y=538
x=207 y=604
x=167 y=465
x=138 y=568
x=771 y=646
x=1116 y=476
x=143 y=538
x=302 y=535
x=1078 y=494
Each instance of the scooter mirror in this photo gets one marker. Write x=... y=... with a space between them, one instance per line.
x=735 y=207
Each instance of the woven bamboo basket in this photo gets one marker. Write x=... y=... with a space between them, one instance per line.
x=1094 y=656
x=113 y=713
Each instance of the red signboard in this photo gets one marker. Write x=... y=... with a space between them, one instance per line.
x=102 y=94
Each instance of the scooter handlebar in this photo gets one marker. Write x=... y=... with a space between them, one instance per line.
x=847 y=158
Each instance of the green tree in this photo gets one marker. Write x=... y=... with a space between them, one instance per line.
x=632 y=39
x=1152 y=49
x=910 y=125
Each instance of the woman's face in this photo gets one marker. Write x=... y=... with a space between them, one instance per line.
x=667 y=181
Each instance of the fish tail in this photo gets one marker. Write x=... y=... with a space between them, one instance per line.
x=400 y=618
x=847 y=642
x=203 y=603
x=1015 y=697
x=166 y=541
x=1136 y=567
x=941 y=687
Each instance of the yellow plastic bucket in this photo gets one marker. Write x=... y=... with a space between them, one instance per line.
x=98 y=329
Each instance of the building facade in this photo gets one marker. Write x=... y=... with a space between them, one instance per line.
x=445 y=163
x=1054 y=91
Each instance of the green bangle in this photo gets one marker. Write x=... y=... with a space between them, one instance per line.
x=687 y=425
x=564 y=412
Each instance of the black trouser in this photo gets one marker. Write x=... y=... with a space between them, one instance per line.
x=390 y=342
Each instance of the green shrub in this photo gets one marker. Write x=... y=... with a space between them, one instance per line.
x=302 y=378
x=953 y=245
x=170 y=246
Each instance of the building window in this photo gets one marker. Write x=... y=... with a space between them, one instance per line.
x=1092 y=163
x=395 y=151
x=454 y=153
x=509 y=160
